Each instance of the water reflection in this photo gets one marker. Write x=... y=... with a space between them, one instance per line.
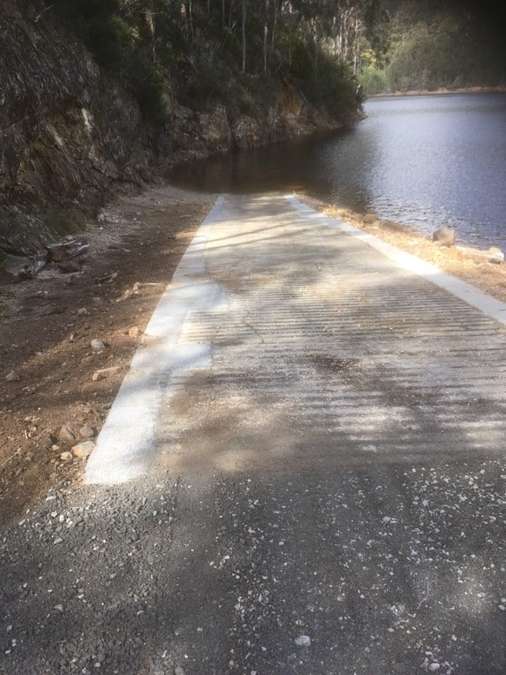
x=419 y=160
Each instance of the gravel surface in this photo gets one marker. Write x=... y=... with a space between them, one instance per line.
x=384 y=569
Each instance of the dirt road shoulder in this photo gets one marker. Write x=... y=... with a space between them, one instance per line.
x=67 y=339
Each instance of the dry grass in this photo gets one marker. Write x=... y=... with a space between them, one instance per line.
x=467 y=265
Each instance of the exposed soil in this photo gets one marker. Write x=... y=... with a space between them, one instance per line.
x=473 y=268
x=48 y=324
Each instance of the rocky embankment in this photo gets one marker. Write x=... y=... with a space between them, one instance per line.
x=70 y=135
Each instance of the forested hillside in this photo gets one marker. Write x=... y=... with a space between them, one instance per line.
x=428 y=44
x=99 y=94
x=200 y=51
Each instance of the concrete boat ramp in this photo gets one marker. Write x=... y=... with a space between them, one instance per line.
x=303 y=473
x=288 y=339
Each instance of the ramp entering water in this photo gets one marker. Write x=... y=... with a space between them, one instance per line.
x=286 y=342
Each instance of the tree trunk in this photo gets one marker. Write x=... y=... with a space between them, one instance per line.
x=150 y=26
x=274 y=26
x=244 y=10
x=356 y=47
x=189 y=15
x=266 y=35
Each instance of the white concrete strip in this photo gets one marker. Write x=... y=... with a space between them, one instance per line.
x=125 y=446
x=460 y=289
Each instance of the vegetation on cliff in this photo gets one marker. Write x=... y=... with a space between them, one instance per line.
x=97 y=94
x=205 y=51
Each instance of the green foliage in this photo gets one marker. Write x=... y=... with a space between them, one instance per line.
x=194 y=50
x=373 y=80
x=433 y=44
x=332 y=87
x=149 y=86
x=114 y=39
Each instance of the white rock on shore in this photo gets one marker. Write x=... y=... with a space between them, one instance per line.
x=495 y=255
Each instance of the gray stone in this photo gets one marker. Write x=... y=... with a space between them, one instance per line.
x=86 y=432
x=104 y=373
x=97 y=345
x=495 y=255
x=66 y=434
x=303 y=641
x=12 y=377
x=445 y=236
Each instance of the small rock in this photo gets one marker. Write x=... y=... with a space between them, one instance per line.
x=66 y=457
x=134 y=332
x=178 y=670
x=445 y=236
x=83 y=450
x=303 y=641
x=392 y=225
x=104 y=373
x=86 y=432
x=495 y=255
x=434 y=667
x=369 y=219
x=97 y=345
x=12 y=377
x=69 y=267
x=82 y=311
x=66 y=434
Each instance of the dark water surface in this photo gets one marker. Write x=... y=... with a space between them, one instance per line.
x=424 y=160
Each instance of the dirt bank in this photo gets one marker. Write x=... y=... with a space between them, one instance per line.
x=475 y=269
x=47 y=363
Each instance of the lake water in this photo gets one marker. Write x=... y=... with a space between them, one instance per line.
x=424 y=161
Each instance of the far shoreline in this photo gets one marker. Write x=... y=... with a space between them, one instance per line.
x=499 y=89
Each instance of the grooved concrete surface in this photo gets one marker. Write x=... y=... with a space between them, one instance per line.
x=324 y=477
x=320 y=352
